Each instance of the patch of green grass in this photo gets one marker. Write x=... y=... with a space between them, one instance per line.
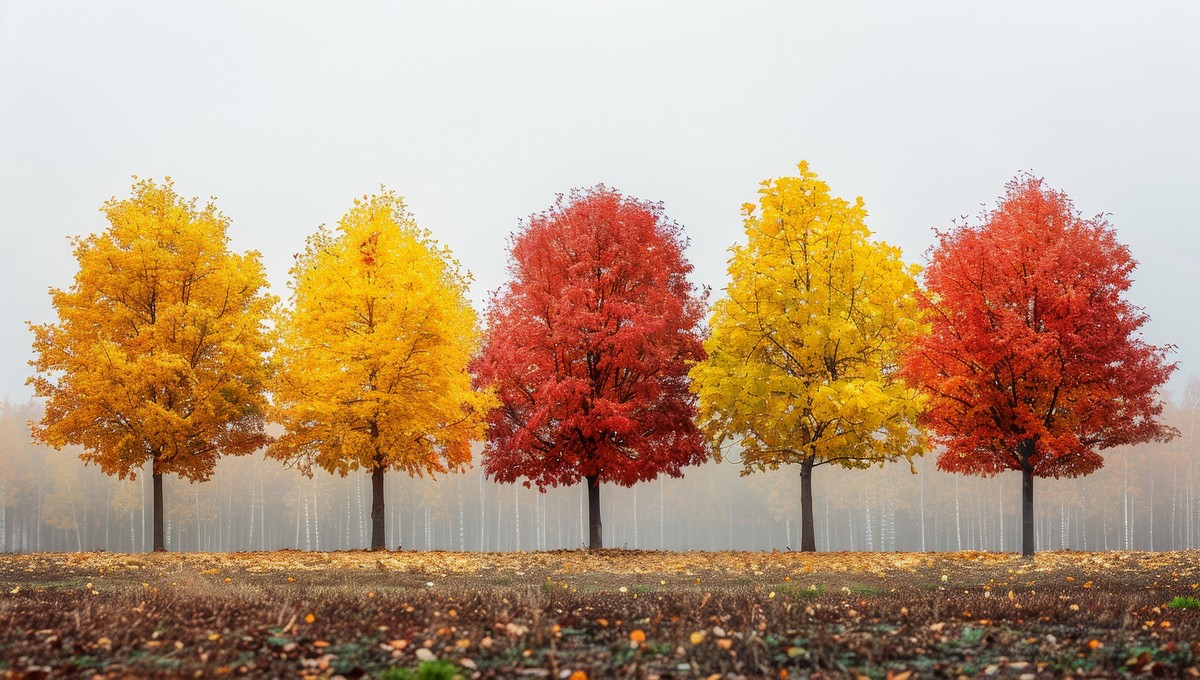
x=744 y=581
x=429 y=670
x=863 y=590
x=970 y=636
x=659 y=648
x=502 y=581
x=61 y=584
x=642 y=589
x=1184 y=602
x=85 y=661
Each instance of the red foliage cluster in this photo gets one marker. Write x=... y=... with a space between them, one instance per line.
x=589 y=345
x=1034 y=357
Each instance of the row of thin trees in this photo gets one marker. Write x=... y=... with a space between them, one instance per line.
x=50 y=501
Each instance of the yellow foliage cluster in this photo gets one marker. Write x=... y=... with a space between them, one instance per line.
x=372 y=356
x=804 y=346
x=160 y=350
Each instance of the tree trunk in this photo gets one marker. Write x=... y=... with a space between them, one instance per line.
x=160 y=544
x=377 y=516
x=595 y=528
x=808 y=532
x=1027 y=542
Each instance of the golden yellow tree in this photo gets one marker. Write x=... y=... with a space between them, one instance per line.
x=805 y=344
x=372 y=359
x=159 y=353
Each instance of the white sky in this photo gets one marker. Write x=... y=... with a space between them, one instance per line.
x=480 y=113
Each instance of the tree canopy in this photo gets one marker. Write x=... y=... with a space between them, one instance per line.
x=373 y=352
x=588 y=348
x=1035 y=360
x=805 y=345
x=159 y=352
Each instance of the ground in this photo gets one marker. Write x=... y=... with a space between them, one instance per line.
x=614 y=613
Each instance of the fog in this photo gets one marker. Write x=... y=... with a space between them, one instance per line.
x=1145 y=498
x=479 y=113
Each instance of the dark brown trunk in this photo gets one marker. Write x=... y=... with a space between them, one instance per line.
x=595 y=529
x=377 y=535
x=808 y=534
x=160 y=543
x=1027 y=537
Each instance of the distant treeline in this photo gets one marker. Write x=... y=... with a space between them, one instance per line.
x=1145 y=498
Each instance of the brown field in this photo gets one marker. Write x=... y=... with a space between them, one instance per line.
x=609 y=614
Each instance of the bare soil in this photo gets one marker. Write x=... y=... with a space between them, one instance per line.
x=606 y=614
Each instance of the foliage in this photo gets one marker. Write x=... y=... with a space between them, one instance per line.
x=804 y=346
x=1184 y=602
x=588 y=347
x=1035 y=359
x=429 y=670
x=159 y=350
x=373 y=352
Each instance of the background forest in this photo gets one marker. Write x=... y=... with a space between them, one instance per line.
x=1145 y=498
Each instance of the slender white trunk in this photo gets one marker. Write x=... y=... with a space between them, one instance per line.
x=1000 y=499
x=250 y=536
x=1126 y=508
x=957 y=517
x=924 y=467
x=868 y=536
x=1151 y=508
x=362 y=511
x=635 y=519
x=1062 y=523
x=316 y=520
x=482 y=517
x=662 y=514
x=142 y=547
x=307 y=524
x=3 y=517
x=196 y=515
x=298 y=515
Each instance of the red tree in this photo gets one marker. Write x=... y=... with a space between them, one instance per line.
x=1035 y=360
x=588 y=348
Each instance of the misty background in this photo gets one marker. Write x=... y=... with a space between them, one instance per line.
x=479 y=113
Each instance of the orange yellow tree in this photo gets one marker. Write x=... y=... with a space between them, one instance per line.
x=159 y=352
x=804 y=347
x=372 y=357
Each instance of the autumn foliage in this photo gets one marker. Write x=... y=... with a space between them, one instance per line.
x=588 y=348
x=804 y=347
x=1035 y=361
x=159 y=352
x=373 y=353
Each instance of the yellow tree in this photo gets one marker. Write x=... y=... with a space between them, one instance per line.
x=804 y=346
x=372 y=358
x=159 y=353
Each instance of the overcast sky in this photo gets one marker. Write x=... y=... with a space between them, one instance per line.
x=480 y=113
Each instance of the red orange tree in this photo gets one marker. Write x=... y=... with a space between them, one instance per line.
x=588 y=347
x=1035 y=361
